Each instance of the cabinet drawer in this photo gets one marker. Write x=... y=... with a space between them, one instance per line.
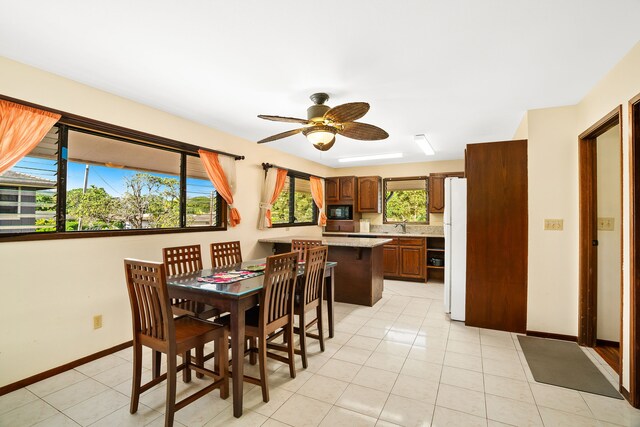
x=393 y=242
x=411 y=241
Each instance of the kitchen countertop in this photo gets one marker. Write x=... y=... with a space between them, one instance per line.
x=357 y=233
x=339 y=240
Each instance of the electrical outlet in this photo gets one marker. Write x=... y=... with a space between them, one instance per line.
x=553 y=224
x=605 y=224
x=97 y=321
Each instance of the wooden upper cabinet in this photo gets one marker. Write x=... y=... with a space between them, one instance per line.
x=436 y=190
x=332 y=190
x=369 y=197
x=340 y=190
x=436 y=193
x=347 y=189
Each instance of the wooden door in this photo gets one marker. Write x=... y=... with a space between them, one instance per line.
x=331 y=190
x=436 y=193
x=368 y=194
x=497 y=221
x=390 y=260
x=347 y=189
x=411 y=261
x=332 y=226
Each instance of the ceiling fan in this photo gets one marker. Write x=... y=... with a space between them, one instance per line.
x=323 y=123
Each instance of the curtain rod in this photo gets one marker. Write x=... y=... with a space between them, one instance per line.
x=115 y=130
x=266 y=166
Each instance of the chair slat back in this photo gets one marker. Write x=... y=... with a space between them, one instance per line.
x=277 y=295
x=300 y=246
x=314 y=273
x=149 y=298
x=182 y=259
x=224 y=254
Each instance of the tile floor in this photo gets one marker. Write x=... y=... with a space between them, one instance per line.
x=401 y=362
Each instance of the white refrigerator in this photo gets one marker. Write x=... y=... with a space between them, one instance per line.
x=455 y=246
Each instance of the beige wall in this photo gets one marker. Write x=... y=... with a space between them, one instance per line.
x=53 y=301
x=553 y=193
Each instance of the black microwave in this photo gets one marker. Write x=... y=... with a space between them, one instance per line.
x=344 y=212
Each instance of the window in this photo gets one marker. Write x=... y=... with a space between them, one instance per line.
x=294 y=206
x=405 y=199
x=109 y=183
x=28 y=190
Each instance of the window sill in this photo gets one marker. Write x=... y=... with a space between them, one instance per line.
x=23 y=237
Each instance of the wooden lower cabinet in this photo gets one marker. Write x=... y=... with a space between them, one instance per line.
x=404 y=258
x=390 y=260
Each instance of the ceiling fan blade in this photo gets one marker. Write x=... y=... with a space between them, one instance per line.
x=280 y=135
x=284 y=119
x=363 y=131
x=327 y=146
x=347 y=112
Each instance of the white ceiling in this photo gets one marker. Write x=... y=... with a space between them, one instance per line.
x=458 y=71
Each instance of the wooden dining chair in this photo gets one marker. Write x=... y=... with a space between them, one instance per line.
x=301 y=245
x=183 y=260
x=154 y=326
x=274 y=313
x=224 y=254
x=309 y=295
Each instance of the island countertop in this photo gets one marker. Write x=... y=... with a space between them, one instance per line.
x=353 y=242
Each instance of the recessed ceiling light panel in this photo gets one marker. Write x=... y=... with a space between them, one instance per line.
x=424 y=144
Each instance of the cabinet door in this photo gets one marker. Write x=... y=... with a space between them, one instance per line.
x=348 y=226
x=347 y=188
x=331 y=190
x=390 y=260
x=332 y=226
x=369 y=194
x=436 y=193
x=411 y=261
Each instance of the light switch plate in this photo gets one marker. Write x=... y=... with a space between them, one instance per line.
x=605 y=224
x=553 y=224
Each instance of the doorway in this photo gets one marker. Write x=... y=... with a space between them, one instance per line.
x=600 y=247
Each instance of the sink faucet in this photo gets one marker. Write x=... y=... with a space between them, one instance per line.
x=403 y=225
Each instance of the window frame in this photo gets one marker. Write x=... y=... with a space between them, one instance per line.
x=14 y=216
x=314 y=221
x=81 y=124
x=408 y=178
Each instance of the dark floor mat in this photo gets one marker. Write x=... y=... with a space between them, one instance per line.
x=564 y=364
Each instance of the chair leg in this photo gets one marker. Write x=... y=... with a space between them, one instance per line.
x=302 y=329
x=171 y=390
x=253 y=355
x=262 y=356
x=291 y=350
x=221 y=363
x=156 y=360
x=137 y=377
x=320 y=326
x=199 y=360
x=186 y=372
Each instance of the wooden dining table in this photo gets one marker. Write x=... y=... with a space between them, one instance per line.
x=236 y=298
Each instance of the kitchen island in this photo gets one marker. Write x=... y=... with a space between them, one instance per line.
x=358 y=275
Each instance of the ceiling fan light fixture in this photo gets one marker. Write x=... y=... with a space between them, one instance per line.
x=424 y=144
x=320 y=134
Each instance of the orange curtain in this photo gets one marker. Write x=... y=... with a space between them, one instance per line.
x=318 y=197
x=21 y=129
x=220 y=182
x=281 y=179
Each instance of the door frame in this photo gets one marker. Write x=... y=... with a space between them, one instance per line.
x=634 y=253
x=588 y=265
